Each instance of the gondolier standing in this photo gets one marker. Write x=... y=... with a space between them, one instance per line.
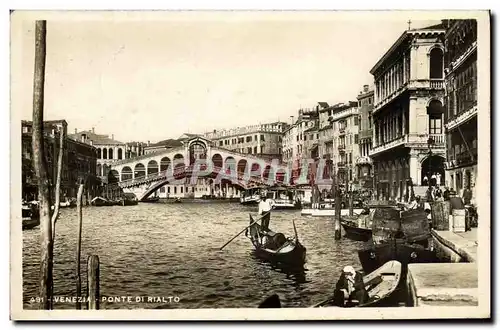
x=265 y=207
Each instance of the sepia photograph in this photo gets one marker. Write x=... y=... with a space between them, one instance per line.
x=250 y=165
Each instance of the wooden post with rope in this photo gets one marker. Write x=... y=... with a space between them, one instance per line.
x=337 y=196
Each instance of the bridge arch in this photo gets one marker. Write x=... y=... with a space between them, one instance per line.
x=281 y=176
x=126 y=173
x=139 y=170
x=242 y=167
x=178 y=161
x=165 y=163
x=113 y=176
x=152 y=167
x=256 y=170
x=197 y=150
x=217 y=160
x=267 y=173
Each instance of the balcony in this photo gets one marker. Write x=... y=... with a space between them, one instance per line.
x=341 y=164
x=341 y=147
x=463 y=159
x=422 y=84
x=342 y=130
x=363 y=160
x=411 y=141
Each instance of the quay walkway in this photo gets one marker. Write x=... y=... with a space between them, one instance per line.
x=451 y=283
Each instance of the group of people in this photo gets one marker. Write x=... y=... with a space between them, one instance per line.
x=435 y=179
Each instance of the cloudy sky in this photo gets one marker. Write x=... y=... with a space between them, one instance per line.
x=155 y=78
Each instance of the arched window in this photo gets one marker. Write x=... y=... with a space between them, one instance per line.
x=436 y=64
x=104 y=153
x=120 y=153
x=435 y=112
x=110 y=154
x=99 y=155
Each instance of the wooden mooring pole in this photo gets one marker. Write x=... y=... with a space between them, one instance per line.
x=93 y=282
x=337 y=196
x=41 y=172
x=79 y=245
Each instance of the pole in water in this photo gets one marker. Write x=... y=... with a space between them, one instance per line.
x=337 y=205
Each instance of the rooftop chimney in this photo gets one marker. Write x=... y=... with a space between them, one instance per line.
x=365 y=88
x=76 y=131
x=149 y=142
x=93 y=130
x=112 y=136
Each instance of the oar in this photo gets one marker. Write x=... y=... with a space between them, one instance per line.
x=255 y=221
x=321 y=302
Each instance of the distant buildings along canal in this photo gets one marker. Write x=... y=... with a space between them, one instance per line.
x=79 y=161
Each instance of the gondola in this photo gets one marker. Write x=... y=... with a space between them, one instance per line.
x=101 y=201
x=381 y=285
x=151 y=199
x=275 y=247
x=29 y=223
x=357 y=233
x=401 y=236
x=397 y=249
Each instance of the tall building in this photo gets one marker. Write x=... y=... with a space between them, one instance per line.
x=344 y=118
x=297 y=139
x=109 y=150
x=263 y=140
x=461 y=104
x=408 y=141
x=79 y=161
x=363 y=161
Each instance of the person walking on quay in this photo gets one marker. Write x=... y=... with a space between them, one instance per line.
x=446 y=194
x=438 y=194
x=425 y=181
x=430 y=194
x=433 y=180
x=265 y=207
x=467 y=195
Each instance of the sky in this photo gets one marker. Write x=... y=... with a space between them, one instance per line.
x=156 y=78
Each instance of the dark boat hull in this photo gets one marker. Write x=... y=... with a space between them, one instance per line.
x=296 y=257
x=357 y=233
x=151 y=200
x=29 y=223
x=375 y=256
x=278 y=250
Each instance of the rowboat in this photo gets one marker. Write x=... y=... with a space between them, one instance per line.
x=275 y=247
x=381 y=284
x=29 y=222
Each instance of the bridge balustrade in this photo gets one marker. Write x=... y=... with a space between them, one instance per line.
x=240 y=175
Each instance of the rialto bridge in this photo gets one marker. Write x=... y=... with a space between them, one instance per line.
x=197 y=158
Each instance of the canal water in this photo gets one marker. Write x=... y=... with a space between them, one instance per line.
x=167 y=250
